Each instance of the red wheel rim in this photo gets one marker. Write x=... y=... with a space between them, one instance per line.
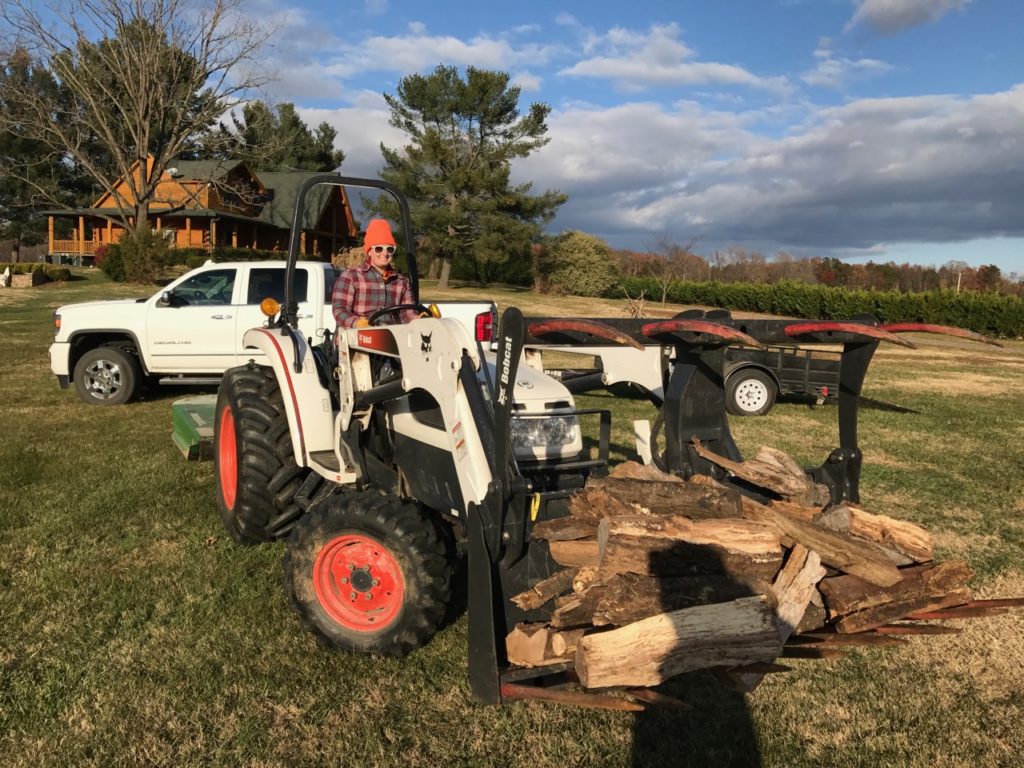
x=358 y=583
x=227 y=458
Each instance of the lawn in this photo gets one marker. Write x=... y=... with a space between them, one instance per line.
x=133 y=631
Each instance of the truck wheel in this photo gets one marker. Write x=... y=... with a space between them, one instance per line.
x=368 y=573
x=107 y=375
x=749 y=392
x=254 y=462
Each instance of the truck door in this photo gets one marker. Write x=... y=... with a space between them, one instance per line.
x=268 y=282
x=195 y=332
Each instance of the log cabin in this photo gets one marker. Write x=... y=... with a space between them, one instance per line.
x=210 y=203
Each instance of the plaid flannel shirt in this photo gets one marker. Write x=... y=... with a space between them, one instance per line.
x=361 y=291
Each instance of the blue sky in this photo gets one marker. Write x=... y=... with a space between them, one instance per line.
x=864 y=129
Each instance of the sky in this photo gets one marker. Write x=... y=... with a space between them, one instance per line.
x=884 y=130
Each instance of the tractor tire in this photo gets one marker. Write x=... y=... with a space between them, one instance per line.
x=254 y=462
x=108 y=375
x=749 y=392
x=367 y=573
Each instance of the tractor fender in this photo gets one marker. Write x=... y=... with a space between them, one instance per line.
x=307 y=402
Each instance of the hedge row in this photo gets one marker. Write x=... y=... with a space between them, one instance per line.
x=990 y=313
x=52 y=271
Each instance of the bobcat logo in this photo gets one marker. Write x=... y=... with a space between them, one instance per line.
x=425 y=345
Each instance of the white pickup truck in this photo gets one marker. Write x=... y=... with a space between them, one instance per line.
x=191 y=331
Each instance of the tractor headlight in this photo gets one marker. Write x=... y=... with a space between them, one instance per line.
x=543 y=431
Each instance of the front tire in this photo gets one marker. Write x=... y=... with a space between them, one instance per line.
x=254 y=462
x=750 y=392
x=367 y=573
x=107 y=375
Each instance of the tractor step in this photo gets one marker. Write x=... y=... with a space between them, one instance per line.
x=193 y=420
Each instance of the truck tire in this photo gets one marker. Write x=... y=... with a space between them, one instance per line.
x=368 y=573
x=254 y=462
x=107 y=375
x=749 y=392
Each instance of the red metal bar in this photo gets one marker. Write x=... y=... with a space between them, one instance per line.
x=859 y=329
x=944 y=330
x=575 y=698
x=658 y=699
x=960 y=612
x=700 y=326
x=601 y=330
x=915 y=629
x=816 y=640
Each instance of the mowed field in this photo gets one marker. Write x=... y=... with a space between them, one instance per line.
x=133 y=631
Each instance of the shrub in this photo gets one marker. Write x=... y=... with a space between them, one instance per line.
x=580 y=264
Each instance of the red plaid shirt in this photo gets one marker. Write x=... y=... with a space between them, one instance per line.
x=361 y=291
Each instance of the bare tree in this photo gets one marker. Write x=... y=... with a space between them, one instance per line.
x=138 y=79
x=676 y=262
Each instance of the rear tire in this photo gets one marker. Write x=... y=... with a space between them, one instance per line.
x=749 y=392
x=254 y=462
x=367 y=573
x=107 y=375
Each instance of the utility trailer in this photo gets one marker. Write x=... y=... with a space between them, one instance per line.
x=381 y=481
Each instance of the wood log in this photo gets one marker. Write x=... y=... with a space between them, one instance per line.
x=763 y=475
x=861 y=558
x=845 y=595
x=904 y=537
x=629 y=597
x=575 y=554
x=797 y=511
x=576 y=610
x=529 y=645
x=563 y=644
x=839 y=518
x=632 y=470
x=567 y=528
x=650 y=651
x=814 y=616
x=659 y=545
x=671 y=498
x=583 y=579
x=592 y=505
x=792 y=588
x=900 y=608
x=546 y=589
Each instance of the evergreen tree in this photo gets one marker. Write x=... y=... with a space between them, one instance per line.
x=464 y=133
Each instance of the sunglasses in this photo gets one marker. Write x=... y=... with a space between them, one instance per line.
x=388 y=249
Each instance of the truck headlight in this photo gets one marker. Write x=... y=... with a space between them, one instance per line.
x=542 y=431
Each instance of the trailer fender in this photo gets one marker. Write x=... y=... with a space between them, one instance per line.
x=740 y=365
x=306 y=400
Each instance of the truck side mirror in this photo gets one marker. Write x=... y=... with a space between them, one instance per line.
x=166 y=299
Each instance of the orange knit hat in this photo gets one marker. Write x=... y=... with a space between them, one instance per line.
x=378 y=232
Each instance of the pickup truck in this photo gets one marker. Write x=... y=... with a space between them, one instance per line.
x=191 y=331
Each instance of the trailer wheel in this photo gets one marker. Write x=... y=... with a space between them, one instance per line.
x=107 y=375
x=368 y=573
x=749 y=392
x=254 y=463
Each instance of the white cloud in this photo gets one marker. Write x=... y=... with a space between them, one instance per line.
x=934 y=168
x=834 y=71
x=635 y=60
x=891 y=16
x=376 y=7
x=528 y=81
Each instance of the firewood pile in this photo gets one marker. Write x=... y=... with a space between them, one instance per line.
x=663 y=576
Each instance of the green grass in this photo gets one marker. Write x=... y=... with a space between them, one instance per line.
x=134 y=632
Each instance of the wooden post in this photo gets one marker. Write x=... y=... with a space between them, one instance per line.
x=302 y=243
x=234 y=235
x=159 y=223
x=81 y=234
x=50 y=228
x=188 y=232
x=110 y=232
x=213 y=233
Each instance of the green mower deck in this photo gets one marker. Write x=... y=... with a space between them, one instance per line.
x=193 y=418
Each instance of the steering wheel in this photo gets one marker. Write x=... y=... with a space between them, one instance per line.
x=374 y=316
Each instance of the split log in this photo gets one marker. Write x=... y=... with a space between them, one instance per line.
x=576 y=610
x=593 y=505
x=546 y=589
x=677 y=546
x=575 y=554
x=563 y=644
x=797 y=511
x=632 y=470
x=845 y=595
x=814 y=616
x=840 y=519
x=792 y=588
x=629 y=597
x=861 y=558
x=564 y=529
x=671 y=498
x=900 y=608
x=907 y=538
x=650 y=651
x=767 y=476
x=529 y=645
